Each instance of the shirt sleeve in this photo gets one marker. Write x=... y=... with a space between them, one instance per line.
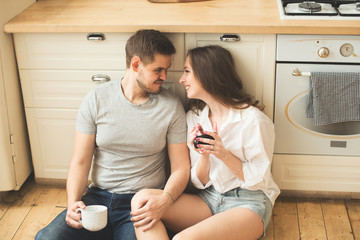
x=259 y=142
x=177 y=129
x=86 y=116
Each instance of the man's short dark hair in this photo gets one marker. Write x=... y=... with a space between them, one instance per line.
x=145 y=44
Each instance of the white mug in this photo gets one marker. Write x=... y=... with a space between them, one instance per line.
x=93 y=217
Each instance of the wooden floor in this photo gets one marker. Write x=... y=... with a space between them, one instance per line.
x=24 y=212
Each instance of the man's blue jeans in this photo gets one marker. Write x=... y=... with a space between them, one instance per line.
x=119 y=226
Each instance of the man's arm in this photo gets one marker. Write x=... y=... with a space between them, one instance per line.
x=180 y=170
x=77 y=180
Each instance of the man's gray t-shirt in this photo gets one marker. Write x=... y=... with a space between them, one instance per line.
x=131 y=140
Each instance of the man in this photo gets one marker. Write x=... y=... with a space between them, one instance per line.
x=125 y=130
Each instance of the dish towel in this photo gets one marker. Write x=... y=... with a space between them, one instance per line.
x=334 y=97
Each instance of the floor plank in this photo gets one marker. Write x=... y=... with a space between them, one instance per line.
x=353 y=208
x=19 y=209
x=286 y=224
x=23 y=213
x=311 y=221
x=336 y=220
x=50 y=203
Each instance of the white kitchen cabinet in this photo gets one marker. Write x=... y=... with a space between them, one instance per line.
x=253 y=55
x=317 y=173
x=15 y=158
x=56 y=72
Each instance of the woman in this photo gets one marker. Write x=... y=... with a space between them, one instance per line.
x=232 y=170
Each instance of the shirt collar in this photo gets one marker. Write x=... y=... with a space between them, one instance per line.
x=235 y=115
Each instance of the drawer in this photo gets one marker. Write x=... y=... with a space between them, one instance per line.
x=75 y=51
x=59 y=89
x=316 y=173
x=66 y=89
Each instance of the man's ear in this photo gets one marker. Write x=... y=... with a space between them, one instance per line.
x=135 y=62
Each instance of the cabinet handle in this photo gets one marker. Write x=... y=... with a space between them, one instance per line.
x=96 y=37
x=230 y=38
x=100 y=78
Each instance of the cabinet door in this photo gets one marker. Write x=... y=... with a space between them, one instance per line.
x=254 y=56
x=52 y=138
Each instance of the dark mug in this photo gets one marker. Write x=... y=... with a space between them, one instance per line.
x=196 y=142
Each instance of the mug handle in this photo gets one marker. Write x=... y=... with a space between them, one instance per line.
x=77 y=211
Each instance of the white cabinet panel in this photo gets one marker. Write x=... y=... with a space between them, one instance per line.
x=254 y=56
x=74 y=51
x=52 y=138
x=179 y=58
x=70 y=51
x=59 y=88
x=316 y=173
x=176 y=87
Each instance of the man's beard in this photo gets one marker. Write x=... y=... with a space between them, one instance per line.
x=143 y=87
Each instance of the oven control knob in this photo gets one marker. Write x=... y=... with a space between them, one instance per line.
x=323 y=52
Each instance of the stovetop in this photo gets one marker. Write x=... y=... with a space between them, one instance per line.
x=320 y=9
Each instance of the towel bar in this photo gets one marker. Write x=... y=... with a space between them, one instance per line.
x=297 y=73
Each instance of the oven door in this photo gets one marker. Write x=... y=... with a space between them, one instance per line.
x=297 y=134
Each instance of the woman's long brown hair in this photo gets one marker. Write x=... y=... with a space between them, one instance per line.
x=214 y=66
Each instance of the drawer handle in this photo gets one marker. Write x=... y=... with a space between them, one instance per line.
x=100 y=78
x=230 y=38
x=96 y=37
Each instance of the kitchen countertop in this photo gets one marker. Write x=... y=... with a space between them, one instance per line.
x=214 y=16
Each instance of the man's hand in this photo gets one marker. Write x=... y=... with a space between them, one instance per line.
x=148 y=208
x=73 y=217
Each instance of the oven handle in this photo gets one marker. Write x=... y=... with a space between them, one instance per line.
x=297 y=73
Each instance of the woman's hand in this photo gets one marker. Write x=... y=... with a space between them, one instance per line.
x=215 y=146
x=195 y=131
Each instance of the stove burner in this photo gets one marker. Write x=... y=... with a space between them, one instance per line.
x=310 y=7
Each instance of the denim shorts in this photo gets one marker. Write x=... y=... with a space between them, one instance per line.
x=255 y=201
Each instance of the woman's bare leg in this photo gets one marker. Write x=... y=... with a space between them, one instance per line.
x=187 y=210
x=233 y=224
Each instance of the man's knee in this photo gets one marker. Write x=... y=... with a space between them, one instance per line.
x=40 y=236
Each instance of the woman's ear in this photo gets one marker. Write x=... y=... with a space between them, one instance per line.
x=135 y=63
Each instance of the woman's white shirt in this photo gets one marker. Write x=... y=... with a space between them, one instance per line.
x=249 y=135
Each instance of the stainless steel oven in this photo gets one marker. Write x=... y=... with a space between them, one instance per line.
x=297 y=57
